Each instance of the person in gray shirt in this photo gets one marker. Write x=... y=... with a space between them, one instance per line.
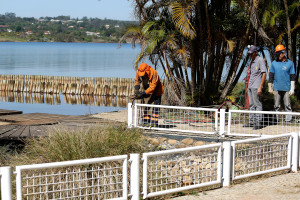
x=255 y=85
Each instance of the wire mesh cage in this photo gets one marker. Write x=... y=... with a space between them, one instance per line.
x=103 y=180
x=261 y=155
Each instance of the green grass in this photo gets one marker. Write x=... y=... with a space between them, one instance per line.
x=96 y=141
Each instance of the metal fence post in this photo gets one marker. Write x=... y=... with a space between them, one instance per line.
x=295 y=152
x=129 y=115
x=135 y=176
x=227 y=163
x=5 y=176
x=222 y=122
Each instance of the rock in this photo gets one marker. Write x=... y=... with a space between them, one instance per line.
x=171 y=163
x=154 y=141
x=180 y=146
x=172 y=142
x=187 y=181
x=187 y=141
x=162 y=140
x=199 y=143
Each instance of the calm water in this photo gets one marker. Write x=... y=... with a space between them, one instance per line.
x=65 y=59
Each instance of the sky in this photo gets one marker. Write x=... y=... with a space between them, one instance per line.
x=110 y=9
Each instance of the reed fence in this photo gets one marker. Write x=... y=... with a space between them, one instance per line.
x=98 y=86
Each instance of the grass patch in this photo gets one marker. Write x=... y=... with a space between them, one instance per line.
x=96 y=141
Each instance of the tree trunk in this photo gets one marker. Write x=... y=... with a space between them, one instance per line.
x=298 y=67
x=201 y=43
x=290 y=53
x=141 y=9
x=231 y=80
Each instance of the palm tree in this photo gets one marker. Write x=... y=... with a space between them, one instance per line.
x=282 y=22
x=204 y=37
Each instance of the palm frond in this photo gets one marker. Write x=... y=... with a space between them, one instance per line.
x=147 y=26
x=181 y=11
x=231 y=45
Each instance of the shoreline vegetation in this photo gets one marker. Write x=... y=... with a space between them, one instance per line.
x=61 y=29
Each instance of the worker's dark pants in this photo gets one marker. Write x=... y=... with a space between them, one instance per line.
x=155 y=111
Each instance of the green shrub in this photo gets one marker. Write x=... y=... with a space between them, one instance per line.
x=96 y=141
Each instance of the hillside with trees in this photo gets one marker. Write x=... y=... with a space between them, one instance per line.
x=61 y=29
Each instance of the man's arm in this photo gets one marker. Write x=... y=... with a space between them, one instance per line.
x=263 y=78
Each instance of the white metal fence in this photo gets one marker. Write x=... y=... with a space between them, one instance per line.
x=212 y=121
x=261 y=155
x=176 y=170
x=173 y=118
x=98 y=178
x=5 y=183
x=164 y=172
x=271 y=122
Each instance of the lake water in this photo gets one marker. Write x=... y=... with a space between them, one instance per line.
x=65 y=59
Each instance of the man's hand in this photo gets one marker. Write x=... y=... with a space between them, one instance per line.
x=140 y=95
x=133 y=97
x=136 y=89
x=292 y=90
x=270 y=86
x=259 y=91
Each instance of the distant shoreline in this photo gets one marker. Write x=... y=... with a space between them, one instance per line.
x=11 y=40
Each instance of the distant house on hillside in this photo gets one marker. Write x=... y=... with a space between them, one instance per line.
x=107 y=26
x=28 y=32
x=47 y=33
x=92 y=33
x=43 y=20
x=55 y=20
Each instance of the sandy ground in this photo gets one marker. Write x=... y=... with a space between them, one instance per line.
x=4 y=123
x=280 y=187
x=120 y=116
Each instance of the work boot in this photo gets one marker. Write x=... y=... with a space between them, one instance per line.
x=257 y=126
x=154 y=123
x=248 y=125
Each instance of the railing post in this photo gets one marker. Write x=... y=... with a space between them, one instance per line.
x=129 y=115
x=227 y=163
x=5 y=176
x=135 y=176
x=222 y=122
x=295 y=152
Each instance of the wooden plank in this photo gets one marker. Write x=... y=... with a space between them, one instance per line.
x=26 y=132
x=18 y=132
x=8 y=130
x=9 y=112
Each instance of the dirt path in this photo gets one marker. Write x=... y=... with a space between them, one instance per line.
x=280 y=187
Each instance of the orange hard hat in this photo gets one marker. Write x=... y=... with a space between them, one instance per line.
x=279 y=47
x=142 y=69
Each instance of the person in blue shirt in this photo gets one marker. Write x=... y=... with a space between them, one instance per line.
x=282 y=80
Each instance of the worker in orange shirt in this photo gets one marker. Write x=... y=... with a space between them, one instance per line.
x=153 y=89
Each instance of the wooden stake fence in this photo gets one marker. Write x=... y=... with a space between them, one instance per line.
x=98 y=86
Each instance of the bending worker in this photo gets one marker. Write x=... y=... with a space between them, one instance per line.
x=256 y=81
x=153 y=89
x=282 y=80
